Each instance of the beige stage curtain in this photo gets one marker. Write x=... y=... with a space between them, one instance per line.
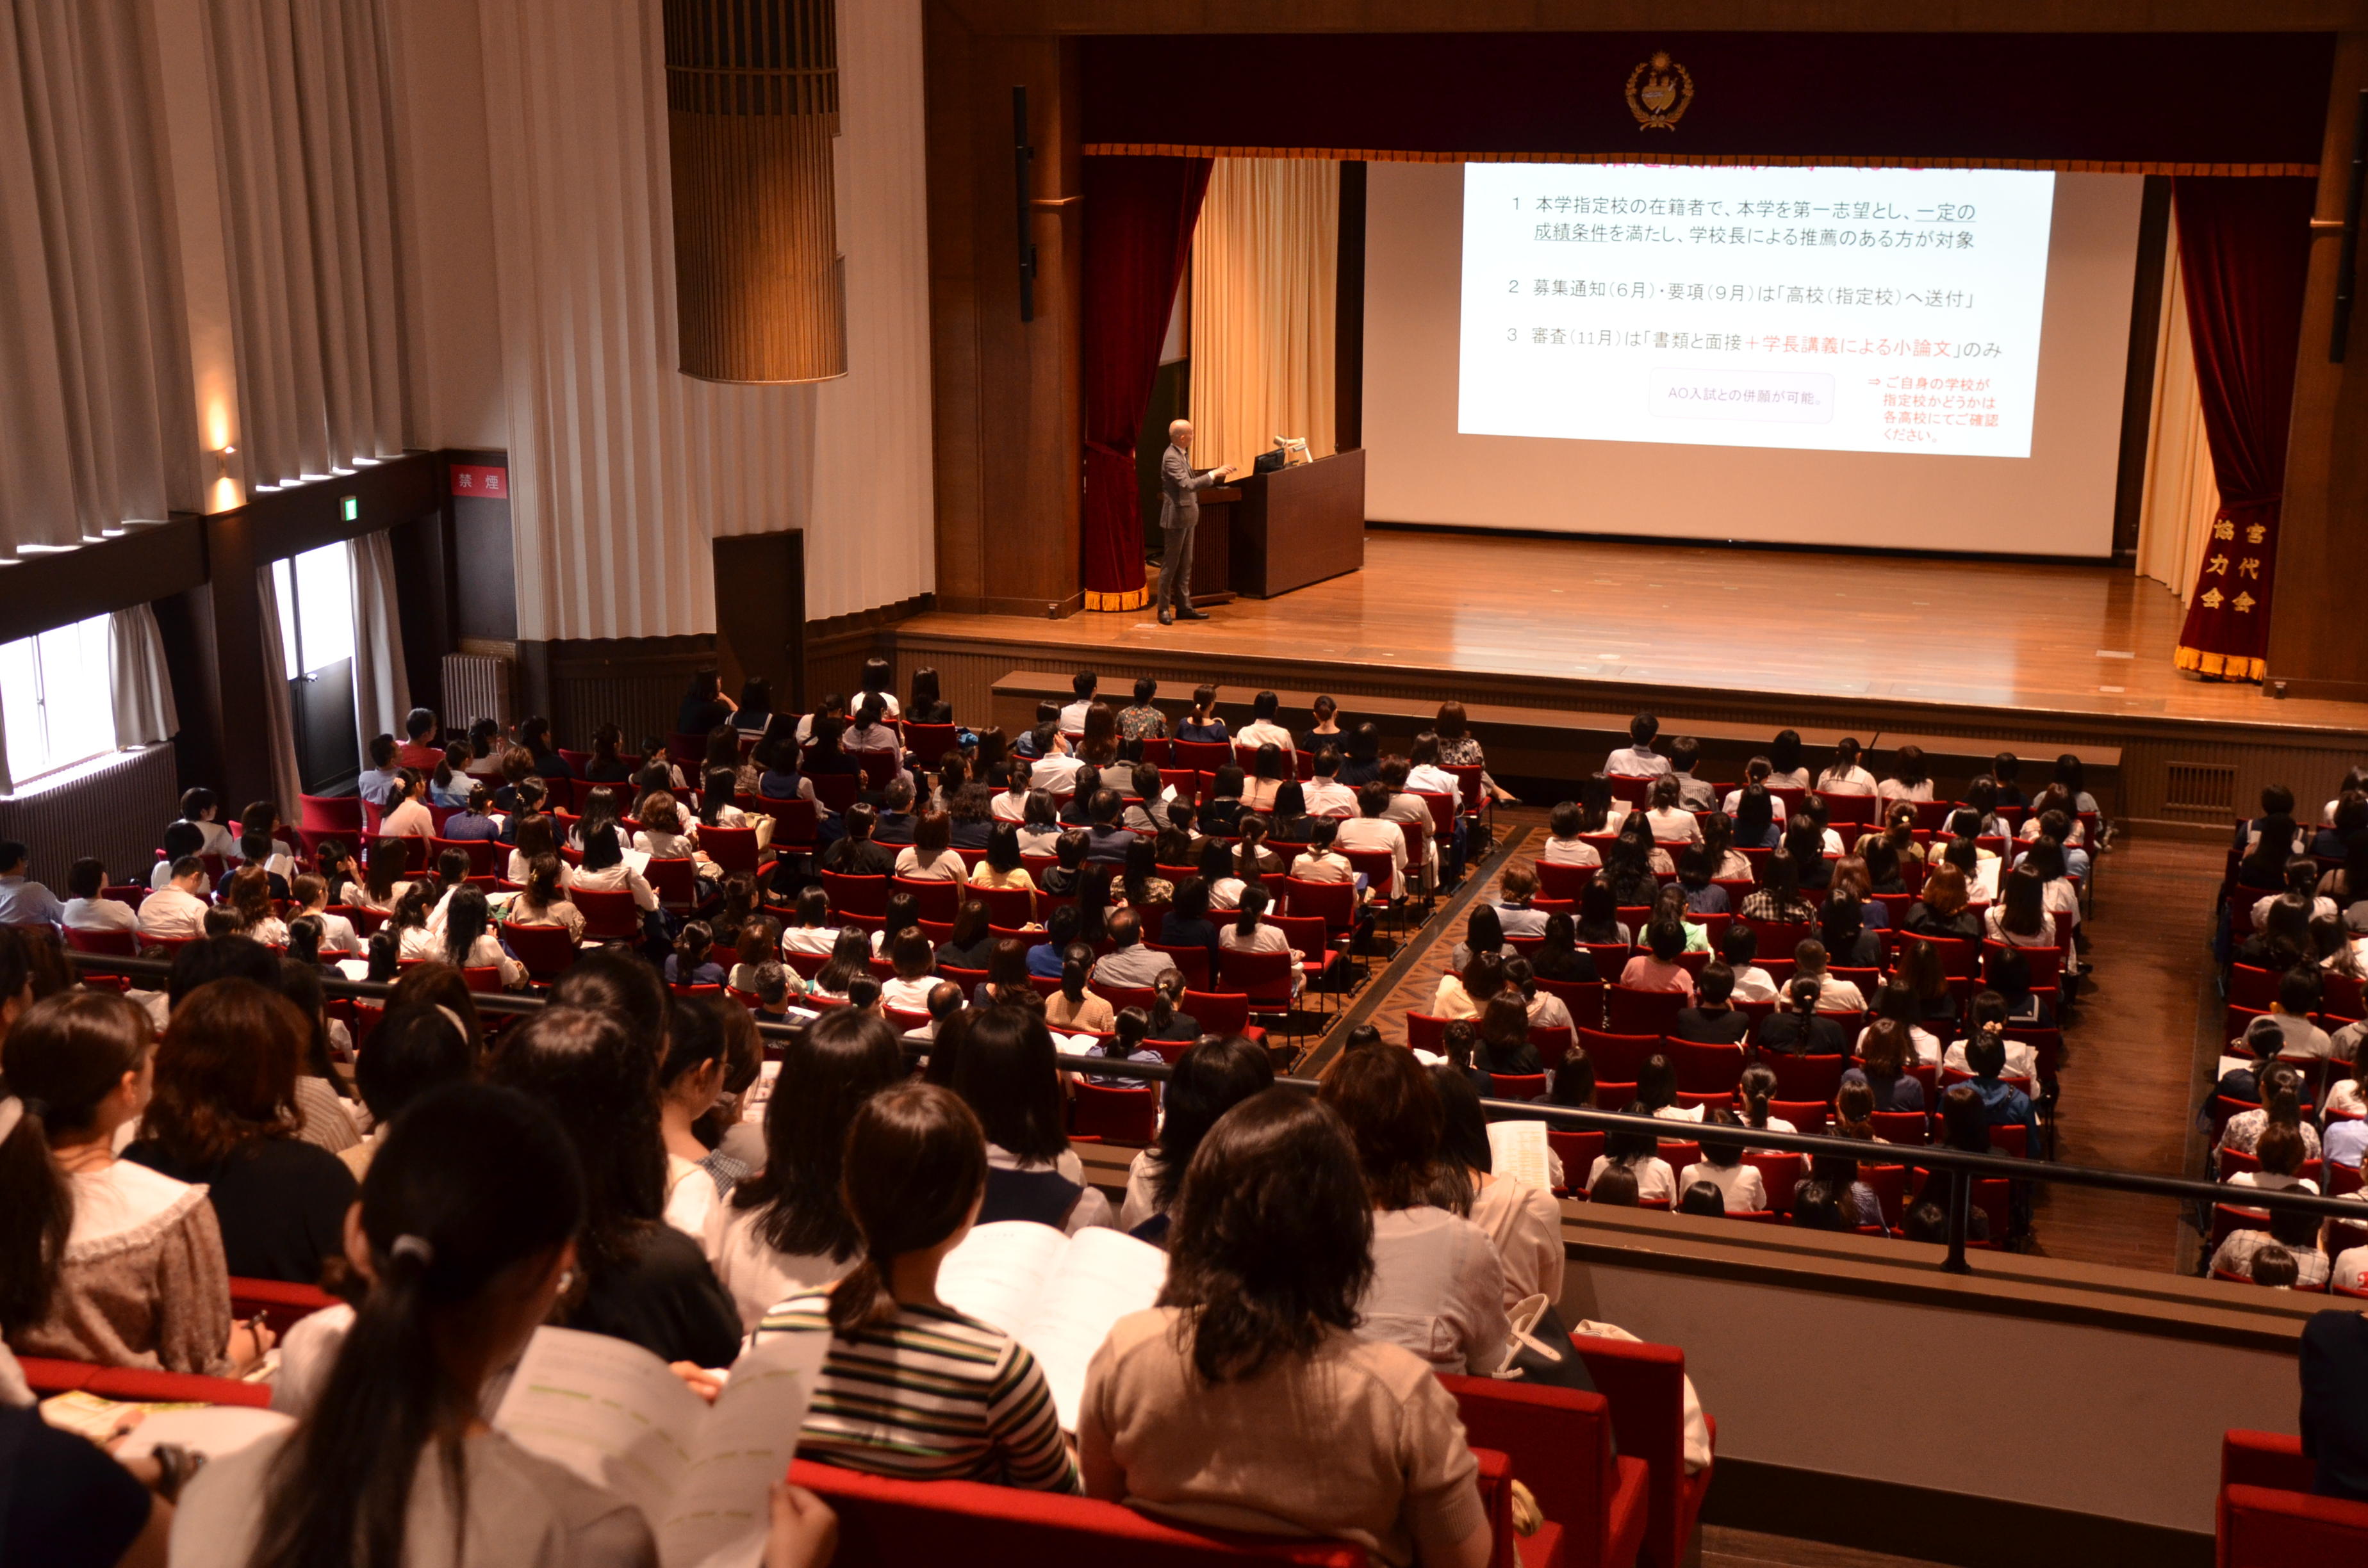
x=279 y=712
x=1264 y=260
x=96 y=426
x=308 y=210
x=2180 y=499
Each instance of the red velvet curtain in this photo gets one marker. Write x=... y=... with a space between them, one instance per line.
x=2244 y=248
x=1139 y=217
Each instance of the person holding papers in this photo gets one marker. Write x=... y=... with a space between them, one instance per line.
x=466 y=1235
x=1247 y=1399
x=909 y=1387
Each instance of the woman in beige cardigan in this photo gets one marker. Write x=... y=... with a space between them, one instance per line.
x=139 y=1279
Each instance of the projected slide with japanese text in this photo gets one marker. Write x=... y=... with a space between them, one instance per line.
x=1820 y=308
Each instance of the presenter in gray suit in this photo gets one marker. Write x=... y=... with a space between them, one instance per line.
x=1179 y=509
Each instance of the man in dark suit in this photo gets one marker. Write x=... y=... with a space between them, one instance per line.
x=1179 y=509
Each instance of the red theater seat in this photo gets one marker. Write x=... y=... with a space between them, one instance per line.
x=884 y=1523
x=2267 y=1516
x=1558 y=1443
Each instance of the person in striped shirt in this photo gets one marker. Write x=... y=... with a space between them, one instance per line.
x=910 y=1388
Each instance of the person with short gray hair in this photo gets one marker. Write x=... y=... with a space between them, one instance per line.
x=1179 y=509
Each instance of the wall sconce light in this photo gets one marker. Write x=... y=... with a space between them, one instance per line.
x=221 y=461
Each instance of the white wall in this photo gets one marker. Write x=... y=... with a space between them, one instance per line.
x=2057 y=501
x=622 y=468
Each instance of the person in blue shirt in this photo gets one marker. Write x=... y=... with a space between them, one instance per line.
x=473 y=819
x=2003 y=1104
x=377 y=782
x=1202 y=723
x=24 y=902
x=692 y=963
x=1030 y=744
x=1045 y=959
x=1107 y=842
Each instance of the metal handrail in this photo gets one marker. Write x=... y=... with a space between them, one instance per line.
x=1924 y=1156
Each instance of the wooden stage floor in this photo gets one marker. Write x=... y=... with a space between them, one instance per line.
x=2060 y=639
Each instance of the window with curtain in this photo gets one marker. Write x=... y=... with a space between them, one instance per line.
x=316 y=608
x=56 y=702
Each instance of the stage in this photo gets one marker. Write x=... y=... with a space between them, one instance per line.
x=2025 y=654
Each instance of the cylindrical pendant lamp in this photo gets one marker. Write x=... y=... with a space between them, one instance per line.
x=752 y=105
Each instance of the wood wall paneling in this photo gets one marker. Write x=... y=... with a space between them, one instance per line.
x=1348 y=315
x=1581 y=16
x=151 y=561
x=1008 y=415
x=2315 y=648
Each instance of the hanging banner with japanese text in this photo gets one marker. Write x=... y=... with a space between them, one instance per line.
x=2244 y=248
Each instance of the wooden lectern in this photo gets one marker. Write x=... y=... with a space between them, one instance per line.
x=1296 y=526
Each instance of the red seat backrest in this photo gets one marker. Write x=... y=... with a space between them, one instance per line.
x=1645 y=1386
x=887 y=1523
x=1113 y=1115
x=1558 y=1443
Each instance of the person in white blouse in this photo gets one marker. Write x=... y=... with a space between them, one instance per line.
x=1248 y=933
x=2021 y=918
x=310 y=896
x=467 y=940
x=786 y=1229
x=1324 y=794
x=87 y=908
x=174 y=911
x=1911 y=779
x=542 y=901
x=407 y=815
x=1370 y=830
x=1655 y=1181
x=1055 y=771
x=1672 y=824
x=1740 y=1187
x=1082 y=686
x=604 y=870
x=201 y=808
x=1010 y=803
x=1846 y=776
x=1322 y=860
x=1262 y=731
x=1637 y=759
x=1438 y=1284
x=815 y=934
x=666 y=834
x=930 y=857
x=1425 y=774
x=1564 y=847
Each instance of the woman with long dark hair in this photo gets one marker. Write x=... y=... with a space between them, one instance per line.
x=786 y=1230
x=1008 y=1075
x=909 y=1387
x=465 y=1239
x=1262 y=1386
x=638 y=1278
x=1216 y=1074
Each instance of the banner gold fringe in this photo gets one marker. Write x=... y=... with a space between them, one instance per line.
x=1712 y=160
x=1131 y=598
x=2230 y=666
